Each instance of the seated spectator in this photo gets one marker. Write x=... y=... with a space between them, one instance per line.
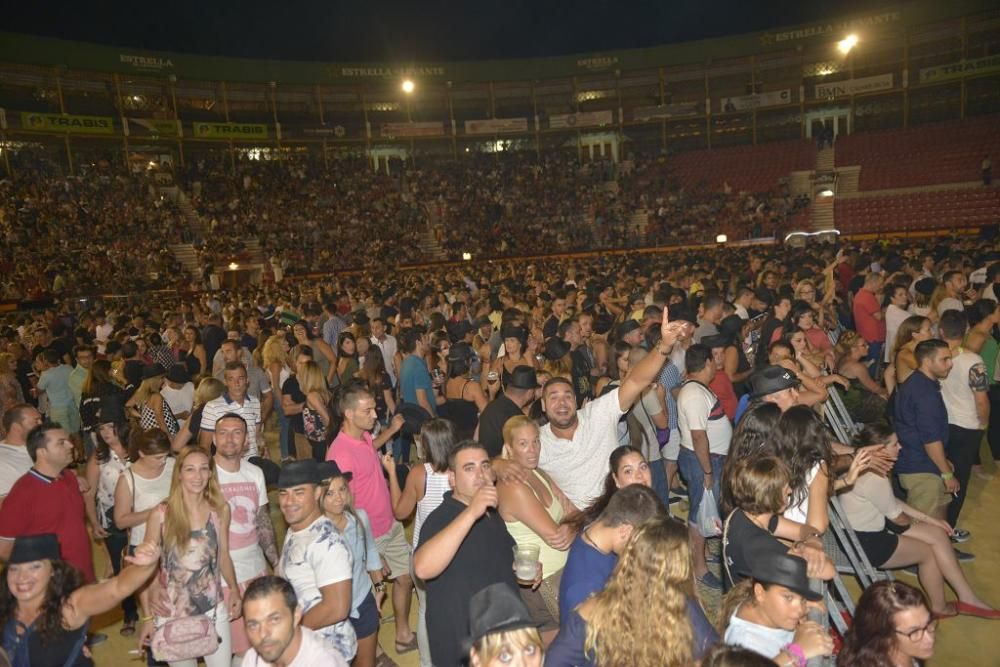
x=895 y=535
x=893 y=624
x=665 y=625
x=865 y=400
x=766 y=612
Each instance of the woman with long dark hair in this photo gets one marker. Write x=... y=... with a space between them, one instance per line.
x=45 y=608
x=893 y=627
x=347 y=357
x=626 y=465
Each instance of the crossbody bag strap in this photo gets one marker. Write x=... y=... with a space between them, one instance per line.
x=725 y=544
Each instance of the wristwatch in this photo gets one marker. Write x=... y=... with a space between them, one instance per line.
x=379 y=587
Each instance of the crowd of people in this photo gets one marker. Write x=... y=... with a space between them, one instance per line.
x=564 y=461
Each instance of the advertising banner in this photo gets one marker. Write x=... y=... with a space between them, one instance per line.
x=153 y=126
x=960 y=69
x=581 y=119
x=496 y=125
x=57 y=122
x=773 y=98
x=675 y=110
x=426 y=129
x=866 y=84
x=230 y=130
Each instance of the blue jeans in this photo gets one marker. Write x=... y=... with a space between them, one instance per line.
x=659 y=476
x=694 y=475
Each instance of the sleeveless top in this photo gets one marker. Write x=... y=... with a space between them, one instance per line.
x=312 y=425
x=146 y=494
x=108 y=473
x=192 y=579
x=552 y=560
x=147 y=419
x=26 y=648
x=435 y=486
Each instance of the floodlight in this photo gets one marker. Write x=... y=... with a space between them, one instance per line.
x=845 y=45
x=467 y=256
x=721 y=238
x=233 y=266
x=408 y=86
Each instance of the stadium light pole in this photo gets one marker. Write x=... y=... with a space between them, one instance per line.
x=845 y=45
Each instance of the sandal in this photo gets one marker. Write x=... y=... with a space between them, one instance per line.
x=407 y=647
x=128 y=628
x=383 y=660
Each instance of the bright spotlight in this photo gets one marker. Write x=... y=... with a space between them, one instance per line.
x=233 y=266
x=408 y=86
x=825 y=192
x=845 y=45
x=467 y=256
x=721 y=238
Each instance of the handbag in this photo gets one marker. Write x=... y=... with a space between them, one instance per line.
x=189 y=637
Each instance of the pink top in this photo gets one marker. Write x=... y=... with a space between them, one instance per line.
x=371 y=492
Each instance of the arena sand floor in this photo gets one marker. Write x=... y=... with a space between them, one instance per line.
x=960 y=641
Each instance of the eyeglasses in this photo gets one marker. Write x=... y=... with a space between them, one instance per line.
x=918 y=634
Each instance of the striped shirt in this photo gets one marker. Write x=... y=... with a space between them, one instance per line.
x=250 y=411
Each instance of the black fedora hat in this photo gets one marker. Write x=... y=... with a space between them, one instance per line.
x=29 y=548
x=496 y=608
x=523 y=377
x=783 y=570
x=307 y=471
x=153 y=371
x=555 y=349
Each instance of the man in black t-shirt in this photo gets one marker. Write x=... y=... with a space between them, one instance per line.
x=519 y=392
x=464 y=547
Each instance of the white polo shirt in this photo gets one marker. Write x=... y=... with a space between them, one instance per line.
x=250 y=411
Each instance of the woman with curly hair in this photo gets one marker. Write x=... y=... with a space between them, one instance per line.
x=632 y=621
x=893 y=627
x=865 y=400
x=45 y=608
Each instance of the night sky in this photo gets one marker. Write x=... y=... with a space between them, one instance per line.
x=399 y=31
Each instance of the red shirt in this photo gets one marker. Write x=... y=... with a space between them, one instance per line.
x=38 y=504
x=865 y=305
x=723 y=388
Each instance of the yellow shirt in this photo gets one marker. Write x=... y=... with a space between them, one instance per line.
x=552 y=560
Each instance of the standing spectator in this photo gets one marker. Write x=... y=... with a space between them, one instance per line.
x=386 y=343
x=15 y=460
x=47 y=499
x=78 y=376
x=252 y=541
x=54 y=382
x=354 y=451
x=148 y=403
x=986 y=169
x=415 y=385
x=895 y=314
x=501 y=626
x=951 y=292
x=274 y=628
x=10 y=389
x=315 y=558
x=464 y=547
x=705 y=434
x=964 y=391
x=921 y=421
x=869 y=318
x=193 y=528
x=178 y=391
x=235 y=399
x=519 y=391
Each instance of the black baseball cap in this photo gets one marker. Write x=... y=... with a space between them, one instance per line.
x=770 y=380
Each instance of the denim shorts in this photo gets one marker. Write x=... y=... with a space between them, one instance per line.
x=367 y=622
x=694 y=475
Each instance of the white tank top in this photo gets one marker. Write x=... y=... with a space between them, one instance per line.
x=148 y=493
x=435 y=486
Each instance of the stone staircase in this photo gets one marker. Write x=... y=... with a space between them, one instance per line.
x=822 y=206
x=824 y=159
x=430 y=249
x=188 y=257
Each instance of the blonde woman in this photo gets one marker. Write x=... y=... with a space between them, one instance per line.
x=315 y=412
x=502 y=630
x=208 y=389
x=632 y=622
x=193 y=526
x=147 y=403
x=274 y=360
x=865 y=399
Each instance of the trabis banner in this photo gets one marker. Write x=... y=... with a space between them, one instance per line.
x=57 y=122
x=244 y=131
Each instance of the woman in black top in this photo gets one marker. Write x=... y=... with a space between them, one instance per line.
x=44 y=609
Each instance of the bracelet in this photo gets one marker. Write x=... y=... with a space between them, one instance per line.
x=947 y=475
x=379 y=587
x=796 y=652
x=145 y=619
x=659 y=348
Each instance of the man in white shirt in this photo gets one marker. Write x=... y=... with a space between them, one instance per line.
x=966 y=397
x=235 y=399
x=14 y=459
x=895 y=313
x=386 y=343
x=274 y=626
x=955 y=284
x=258 y=384
x=315 y=558
x=178 y=391
x=705 y=435
x=576 y=444
x=252 y=543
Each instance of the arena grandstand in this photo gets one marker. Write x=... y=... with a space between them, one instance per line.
x=250 y=163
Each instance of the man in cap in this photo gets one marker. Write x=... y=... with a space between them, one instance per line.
x=519 y=392
x=47 y=499
x=315 y=558
x=630 y=332
x=273 y=620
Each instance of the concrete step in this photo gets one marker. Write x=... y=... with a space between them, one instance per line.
x=825 y=159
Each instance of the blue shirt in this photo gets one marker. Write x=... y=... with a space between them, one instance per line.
x=586 y=572
x=413 y=375
x=567 y=648
x=361 y=543
x=920 y=418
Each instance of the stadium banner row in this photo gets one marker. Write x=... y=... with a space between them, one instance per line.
x=758 y=101
x=203 y=130
x=496 y=125
x=867 y=84
x=986 y=65
x=663 y=111
x=425 y=129
x=151 y=127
